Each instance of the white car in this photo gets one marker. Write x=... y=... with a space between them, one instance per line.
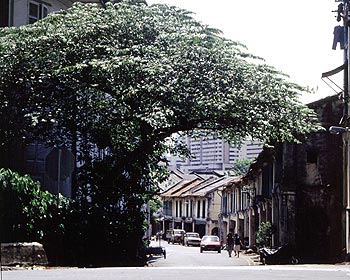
x=192 y=239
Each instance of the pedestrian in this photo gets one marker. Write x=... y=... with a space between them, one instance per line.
x=237 y=244
x=229 y=244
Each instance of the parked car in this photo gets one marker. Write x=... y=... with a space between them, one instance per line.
x=192 y=239
x=210 y=243
x=177 y=236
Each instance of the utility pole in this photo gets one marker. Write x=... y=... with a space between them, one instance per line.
x=343 y=14
x=345 y=121
x=346 y=59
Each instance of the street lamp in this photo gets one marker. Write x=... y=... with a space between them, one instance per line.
x=338 y=130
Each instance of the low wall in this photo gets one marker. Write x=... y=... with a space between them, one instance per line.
x=32 y=253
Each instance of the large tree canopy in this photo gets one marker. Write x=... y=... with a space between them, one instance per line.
x=142 y=71
x=127 y=77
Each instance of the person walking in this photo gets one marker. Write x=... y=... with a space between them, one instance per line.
x=237 y=244
x=229 y=244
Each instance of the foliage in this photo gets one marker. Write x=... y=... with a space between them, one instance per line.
x=27 y=212
x=123 y=84
x=264 y=234
x=108 y=211
x=241 y=166
x=142 y=67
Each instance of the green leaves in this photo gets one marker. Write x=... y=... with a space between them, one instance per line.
x=264 y=234
x=26 y=211
x=241 y=166
x=156 y=64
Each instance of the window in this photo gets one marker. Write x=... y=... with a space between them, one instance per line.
x=234 y=200
x=198 y=209
x=311 y=156
x=191 y=208
x=203 y=212
x=177 y=209
x=243 y=200
x=37 y=11
x=224 y=204
x=167 y=208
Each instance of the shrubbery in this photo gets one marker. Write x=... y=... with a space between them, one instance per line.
x=88 y=231
x=29 y=214
x=26 y=210
x=264 y=235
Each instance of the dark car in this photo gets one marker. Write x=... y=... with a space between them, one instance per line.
x=210 y=243
x=177 y=236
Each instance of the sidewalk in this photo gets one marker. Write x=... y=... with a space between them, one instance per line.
x=254 y=258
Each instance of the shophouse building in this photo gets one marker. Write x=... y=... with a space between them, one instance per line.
x=299 y=189
x=247 y=200
x=194 y=204
x=308 y=191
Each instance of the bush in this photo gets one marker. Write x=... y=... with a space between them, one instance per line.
x=22 y=206
x=29 y=214
x=264 y=235
x=93 y=230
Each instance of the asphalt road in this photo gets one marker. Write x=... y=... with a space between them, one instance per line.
x=187 y=273
x=182 y=256
x=187 y=263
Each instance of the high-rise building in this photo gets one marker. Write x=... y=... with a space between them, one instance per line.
x=210 y=153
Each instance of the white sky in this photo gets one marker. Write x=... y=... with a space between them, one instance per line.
x=293 y=36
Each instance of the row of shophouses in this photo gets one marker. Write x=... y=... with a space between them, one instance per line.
x=298 y=188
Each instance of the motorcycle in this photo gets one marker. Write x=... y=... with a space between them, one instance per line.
x=285 y=254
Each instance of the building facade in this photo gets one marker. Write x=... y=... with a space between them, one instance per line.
x=247 y=200
x=22 y=12
x=211 y=153
x=32 y=158
x=298 y=188
x=308 y=201
x=194 y=204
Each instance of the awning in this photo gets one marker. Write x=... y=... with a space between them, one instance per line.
x=200 y=222
x=331 y=73
x=334 y=71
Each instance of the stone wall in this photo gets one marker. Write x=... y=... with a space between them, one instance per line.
x=23 y=254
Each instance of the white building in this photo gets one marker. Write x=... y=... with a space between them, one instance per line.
x=210 y=153
x=22 y=12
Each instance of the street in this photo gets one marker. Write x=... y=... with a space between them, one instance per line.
x=187 y=263
x=298 y=272
x=182 y=256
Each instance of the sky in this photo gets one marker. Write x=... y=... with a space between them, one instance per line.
x=295 y=36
